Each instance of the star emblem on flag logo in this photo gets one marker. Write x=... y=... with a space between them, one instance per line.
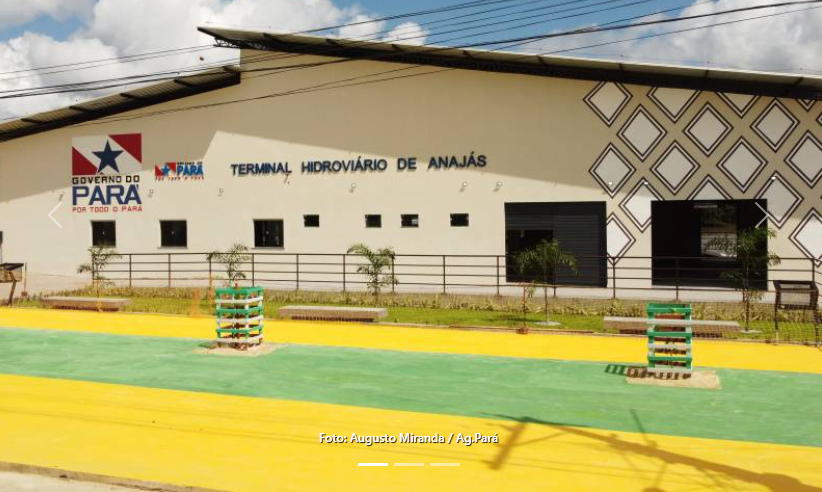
x=108 y=158
x=107 y=155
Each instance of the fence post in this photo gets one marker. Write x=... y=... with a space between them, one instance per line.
x=497 y=275
x=676 y=272
x=443 y=275
x=209 y=269
x=169 y=270
x=393 y=279
x=343 y=257
x=129 y=270
x=613 y=277
x=298 y=272
x=253 y=270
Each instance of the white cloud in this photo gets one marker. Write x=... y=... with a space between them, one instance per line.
x=114 y=28
x=408 y=33
x=788 y=43
x=121 y=27
x=15 y=13
x=369 y=31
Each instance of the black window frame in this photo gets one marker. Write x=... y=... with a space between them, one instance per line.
x=94 y=237
x=373 y=225
x=467 y=220
x=259 y=228
x=308 y=220
x=413 y=221
x=166 y=223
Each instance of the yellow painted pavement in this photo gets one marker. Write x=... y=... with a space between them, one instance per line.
x=237 y=443
x=736 y=355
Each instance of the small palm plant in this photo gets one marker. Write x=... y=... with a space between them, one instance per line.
x=750 y=249
x=378 y=261
x=232 y=260
x=101 y=256
x=539 y=265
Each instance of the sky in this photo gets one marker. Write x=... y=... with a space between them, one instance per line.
x=49 y=33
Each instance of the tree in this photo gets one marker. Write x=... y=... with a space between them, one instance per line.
x=101 y=256
x=232 y=260
x=750 y=248
x=539 y=264
x=374 y=270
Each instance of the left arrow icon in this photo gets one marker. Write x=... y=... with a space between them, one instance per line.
x=52 y=211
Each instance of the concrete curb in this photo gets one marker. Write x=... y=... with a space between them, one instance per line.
x=102 y=479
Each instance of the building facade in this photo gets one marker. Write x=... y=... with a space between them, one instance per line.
x=426 y=158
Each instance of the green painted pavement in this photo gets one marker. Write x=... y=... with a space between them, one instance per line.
x=752 y=406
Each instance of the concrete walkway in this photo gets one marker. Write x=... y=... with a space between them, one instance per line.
x=22 y=482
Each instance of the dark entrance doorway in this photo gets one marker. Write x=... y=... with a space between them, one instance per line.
x=685 y=236
x=578 y=226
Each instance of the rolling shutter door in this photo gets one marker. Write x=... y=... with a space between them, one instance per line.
x=579 y=228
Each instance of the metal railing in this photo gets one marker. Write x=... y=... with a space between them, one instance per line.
x=484 y=274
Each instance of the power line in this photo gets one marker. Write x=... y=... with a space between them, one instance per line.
x=351 y=82
x=166 y=75
x=175 y=51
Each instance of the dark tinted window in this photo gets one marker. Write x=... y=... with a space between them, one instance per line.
x=268 y=234
x=173 y=234
x=311 y=220
x=373 y=221
x=410 y=220
x=459 y=220
x=103 y=233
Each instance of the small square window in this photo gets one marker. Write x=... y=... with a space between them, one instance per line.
x=410 y=220
x=311 y=220
x=373 y=221
x=173 y=234
x=268 y=234
x=459 y=220
x=103 y=234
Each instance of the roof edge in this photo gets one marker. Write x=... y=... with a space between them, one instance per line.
x=93 y=109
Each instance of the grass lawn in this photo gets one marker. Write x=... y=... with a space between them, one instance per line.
x=412 y=315
x=157 y=302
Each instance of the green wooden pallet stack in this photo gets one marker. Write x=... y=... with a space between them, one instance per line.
x=669 y=338
x=239 y=316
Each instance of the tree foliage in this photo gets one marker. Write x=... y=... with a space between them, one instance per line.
x=101 y=256
x=750 y=248
x=539 y=265
x=232 y=260
x=378 y=267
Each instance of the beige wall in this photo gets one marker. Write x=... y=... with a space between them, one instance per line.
x=539 y=135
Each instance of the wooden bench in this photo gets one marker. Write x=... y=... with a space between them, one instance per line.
x=639 y=326
x=86 y=303
x=333 y=313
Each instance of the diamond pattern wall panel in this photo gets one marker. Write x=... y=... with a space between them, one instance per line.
x=782 y=199
x=673 y=102
x=708 y=129
x=775 y=124
x=739 y=103
x=806 y=159
x=808 y=236
x=709 y=189
x=642 y=133
x=675 y=167
x=619 y=237
x=611 y=170
x=806 y=103
x=637 y=205
x=742 y=164
x=607 y=100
